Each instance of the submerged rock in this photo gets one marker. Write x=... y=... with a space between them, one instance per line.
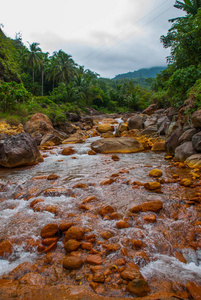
x=117 y=145
x=19 y=150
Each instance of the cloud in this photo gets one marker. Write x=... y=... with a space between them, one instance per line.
x=108 y=37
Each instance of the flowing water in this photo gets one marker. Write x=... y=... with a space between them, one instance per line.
x=175 y=231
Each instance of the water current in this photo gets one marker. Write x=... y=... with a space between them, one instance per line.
x=161 y=240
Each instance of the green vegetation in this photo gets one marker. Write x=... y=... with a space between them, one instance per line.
x=182 y=76
x=33 y=81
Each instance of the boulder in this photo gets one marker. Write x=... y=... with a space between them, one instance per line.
x=102 y=128
x=66 y=127
x=38 y=123
x=50 y=138
x=150 y=109
x=19 y=150
x=136 y=122
x=196 y=118
x=194 y=161
x=158 y=146
x=173 y=141
x=117 y=145
x=6 y=249
x=196 y=140
x=183 y=151
x=149 y=130
x=122 y=127
x=163 y=124
x=151 y=121
x=74 y=139
x=187 y=135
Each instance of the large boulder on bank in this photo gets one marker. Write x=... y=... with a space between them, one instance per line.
x=183 y=151
x=19 y=150
x=173 y=141
x=136 y=122
x=187 y=135
x=38 y=124
x=196 y=118
x=117 y=145
x=196 y=140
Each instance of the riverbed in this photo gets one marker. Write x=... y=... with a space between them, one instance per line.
x=169 y=256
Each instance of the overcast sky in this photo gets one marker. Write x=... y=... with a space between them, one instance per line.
x=109 y=37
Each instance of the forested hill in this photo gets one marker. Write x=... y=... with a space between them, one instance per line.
x=145 y=73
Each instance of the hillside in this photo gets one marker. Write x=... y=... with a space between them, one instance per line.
x=145 y=73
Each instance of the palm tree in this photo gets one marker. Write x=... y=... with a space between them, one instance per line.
x=189 y=6
x=65 y=67
x=43 y=67
x=34 y=57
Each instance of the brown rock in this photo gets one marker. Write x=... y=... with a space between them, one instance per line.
x=194 y=289
x=102 y=128
x=49 y=230
x=120 y=261
x=138 y=286
x=107 y=181
x=6 y=249
x=80 y=186
x=87 y=245
x=130 y=273
x=196 y=118
x=68 y=151
x=105 y=210
x=49 y=241
x=98 y=277
x=91 y=152
x=137 y=243
x=155 y=173
x=52 y=177
x=122 y=224
x=186 y=182
x=117 y=145
x=158 y=146
x=35 y=201
x=72 y=263
x=74 y=232
x=65 y=226
x=51 y=247
x=106 y=235
x=154 y=206
x=136 y=208
x=32 y=279
x=71 y=245
x=94 y=259
x=150 y=218
x=115 y=157
x=38 y=124
x=152 y=185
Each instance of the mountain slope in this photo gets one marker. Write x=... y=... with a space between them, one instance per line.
x=145 y=73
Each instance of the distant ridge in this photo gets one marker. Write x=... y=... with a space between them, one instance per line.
x=145 y=73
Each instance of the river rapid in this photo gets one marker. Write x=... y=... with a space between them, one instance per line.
x=168 y=257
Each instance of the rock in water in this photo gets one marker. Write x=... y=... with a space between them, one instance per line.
x=117 y=145
x=19 y=150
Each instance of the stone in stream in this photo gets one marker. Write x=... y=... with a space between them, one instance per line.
x=152 y=185
x=72 y=263
x=117 y=145
x=158 y=146
x=6 y=249
x=136 y=122
x=49 y=230
x=19 y=150
x=154 y=206
x=71 y=245
x=194 y=161
x=155 y=173
x=74 y=232
x=102 y=128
